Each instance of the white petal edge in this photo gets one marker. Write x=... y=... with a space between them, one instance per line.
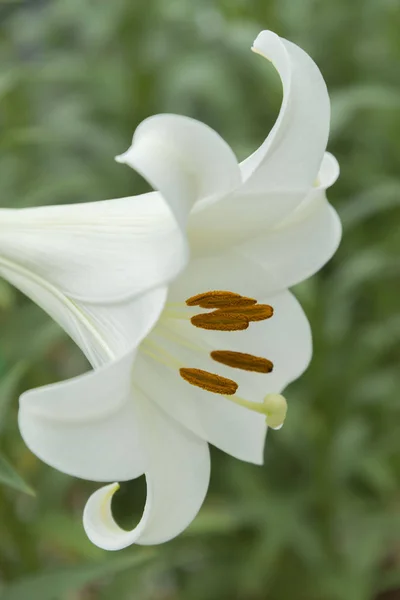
x=86 y=426
x=97 y=252
x=177 y=477
x=102 y=331
x=329 y=172
x=101 y=450
x=304 y=242
x=224 y=271
x=125 y=324
x=77 y=399
x=290 y=157
x=184 y=159
x=238 y=219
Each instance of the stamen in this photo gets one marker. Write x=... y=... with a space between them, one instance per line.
x=257 y=312
x=219 y=299
x=158 y=353
x=209 y=381
x=220 y=321
x=240 y=360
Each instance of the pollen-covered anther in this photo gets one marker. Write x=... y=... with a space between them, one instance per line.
x=219 y=299
x=256 y=312
x=209 y=381
x=219 y=320
x=241 y=360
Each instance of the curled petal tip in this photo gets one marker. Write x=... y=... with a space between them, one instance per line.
x=265 y=33
x=120 y=158
x=329 y=171
x=257 y=51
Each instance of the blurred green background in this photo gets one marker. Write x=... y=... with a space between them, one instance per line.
x=321 y=520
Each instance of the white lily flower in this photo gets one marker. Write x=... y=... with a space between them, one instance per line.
x=117 y=276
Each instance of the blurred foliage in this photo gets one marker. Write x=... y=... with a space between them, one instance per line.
x=321 y=520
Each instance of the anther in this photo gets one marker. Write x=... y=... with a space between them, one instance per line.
x=220 y=321
x=240 y=360
x=257 y=312
x=209 y=381
x=219 y=299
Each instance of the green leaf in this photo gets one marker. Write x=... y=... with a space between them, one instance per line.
x=64 y=530
x=215 y=521
x=371 y=202
x=347 y=102
x=10 y=477
x=54 y=584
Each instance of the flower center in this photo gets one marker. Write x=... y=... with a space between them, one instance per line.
x=233 y=312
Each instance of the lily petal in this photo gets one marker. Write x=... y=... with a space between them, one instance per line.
x=97 y=252
x=177 y=476
x=292 y=153
x=91 y=266
x=184 y=159
x=211 y=417
x=282 y=172
x=102 y=331
x=225 y=271
x=87 y=426
x=125 y=324
x=305 y=241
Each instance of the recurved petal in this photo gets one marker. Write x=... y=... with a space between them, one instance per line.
x=184 y=159
x=177 y=476
x=328 y=173
x=303 y=242
x=217 y=226
x=283 y=171
x=97 y=252
x=87 y=426
x=290 y=157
